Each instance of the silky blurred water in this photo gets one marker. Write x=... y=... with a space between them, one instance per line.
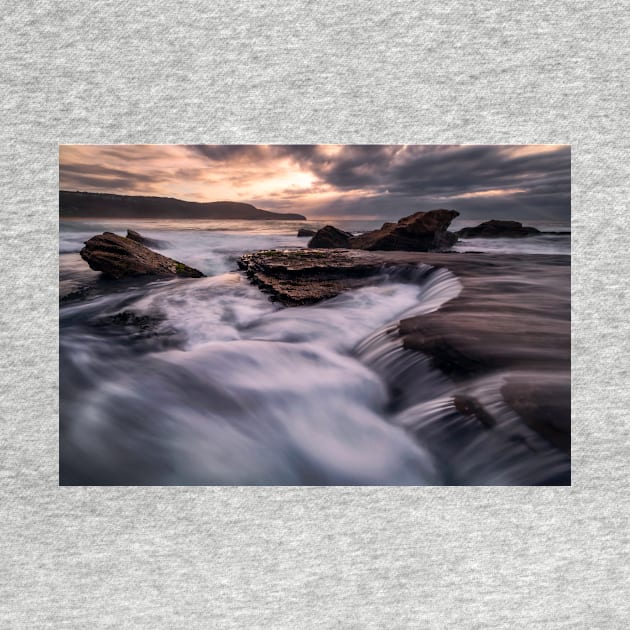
x=208 y=382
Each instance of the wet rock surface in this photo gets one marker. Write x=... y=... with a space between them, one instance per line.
x=144 y=240
x=501 y=318
x=143 y=332
x=296 y=277
x=499 y=229
x=304 y=232
x=119 y=257
x=330 y=237
x=144 y=323
x=502 y=327
x=543 y=401
x=419 y=232
x=504 y=324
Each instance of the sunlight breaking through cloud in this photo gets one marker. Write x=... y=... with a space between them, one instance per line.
x=334 y=180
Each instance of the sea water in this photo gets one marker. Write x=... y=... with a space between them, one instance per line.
x=206 y=381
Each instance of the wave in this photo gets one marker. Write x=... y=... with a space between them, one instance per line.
x=207 y=382
x=228 y=388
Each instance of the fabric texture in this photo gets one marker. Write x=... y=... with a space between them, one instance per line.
x=302 y=72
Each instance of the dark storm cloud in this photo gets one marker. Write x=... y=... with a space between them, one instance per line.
x=435 y=170
x=353 y=167
x=484 y=180
x=491 y=181
x=229 y=152
x=94 y=176
x=97 y=171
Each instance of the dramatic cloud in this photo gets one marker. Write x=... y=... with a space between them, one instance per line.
x=380 y=181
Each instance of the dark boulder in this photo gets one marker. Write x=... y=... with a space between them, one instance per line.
x=330 y=237
x=305 y=232
x=498 y=229
x=120 y=257
x=419 y=232
x=143 y=240
x=543 y=401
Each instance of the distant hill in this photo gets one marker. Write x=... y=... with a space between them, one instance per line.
x=103 y=205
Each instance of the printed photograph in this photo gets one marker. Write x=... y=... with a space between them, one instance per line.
x=315 y=315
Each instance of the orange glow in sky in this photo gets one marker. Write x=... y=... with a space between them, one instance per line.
x=327 y=180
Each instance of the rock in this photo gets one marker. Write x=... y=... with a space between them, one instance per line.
x=143 y=240
x=330 y=237
x=504 y=323
x=543 y=401
x=144 y=323
x=469 y=406
x=501 y=319
x=146 y=332
x=503 y=342
x=136 y=236
x=79 y=293
x=419 y=232
x=296 y=277
x=120 y=257
x=498 y=229
x=305 y=232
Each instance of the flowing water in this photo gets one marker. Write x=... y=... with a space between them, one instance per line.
x=205 y=381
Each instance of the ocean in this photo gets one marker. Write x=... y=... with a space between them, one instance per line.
x=206 y=381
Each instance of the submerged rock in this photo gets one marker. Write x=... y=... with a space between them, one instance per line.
x=498 y=229
x=120 y=257
x=507 y=336
x=302 y=232
x=145 y=323
x=330 y=237
x=79 y=293
x=543 y=401
x=419 y=232
x=146 y=332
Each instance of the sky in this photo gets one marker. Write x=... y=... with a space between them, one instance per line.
x=336 y=181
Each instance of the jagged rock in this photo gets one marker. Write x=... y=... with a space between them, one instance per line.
x=305 y=232
x=504 y=342
x=143 y=240
x=498 y=229
x=119 y=257
x=419 y=232
x=330 y=237
x=297 y=277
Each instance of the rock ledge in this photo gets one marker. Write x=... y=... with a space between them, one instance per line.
x=119 y=257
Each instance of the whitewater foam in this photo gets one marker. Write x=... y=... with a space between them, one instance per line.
x=218 y=385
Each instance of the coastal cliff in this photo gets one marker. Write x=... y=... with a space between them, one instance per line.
x=90 y=205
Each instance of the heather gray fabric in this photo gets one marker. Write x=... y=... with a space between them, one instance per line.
x=245 y=72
